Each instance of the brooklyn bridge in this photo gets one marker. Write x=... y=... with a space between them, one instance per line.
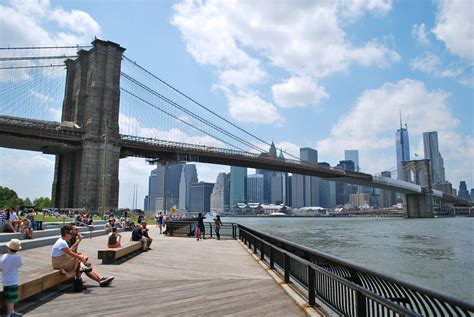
x=114 y=108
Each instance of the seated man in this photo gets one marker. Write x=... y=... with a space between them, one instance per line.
x=140 y=233
x=73 y=244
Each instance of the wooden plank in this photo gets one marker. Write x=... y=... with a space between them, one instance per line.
x=180 y=276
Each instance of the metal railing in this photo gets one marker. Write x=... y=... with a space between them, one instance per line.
x=346 y=288
x=186 y=227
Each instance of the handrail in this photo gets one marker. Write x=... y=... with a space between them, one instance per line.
x=173 y=225
x=347 y=288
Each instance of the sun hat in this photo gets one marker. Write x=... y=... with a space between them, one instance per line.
x=14 y=244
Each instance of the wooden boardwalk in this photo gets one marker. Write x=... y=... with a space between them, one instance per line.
x=178 y=277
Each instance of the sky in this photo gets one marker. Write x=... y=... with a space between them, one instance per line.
x=331 y=75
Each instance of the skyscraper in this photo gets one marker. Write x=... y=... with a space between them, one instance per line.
x=200 y=197
x=267 y=175
x=220 y=193
x=157 y=186
x=327 y=190
x=188 y=177
x=462 y=192
x=343 y=190
x=352 y=155
x=305 y=189
x=387 y=197
x=403 y=148
x=238 y=185
x=255 y=188
x=430 y=145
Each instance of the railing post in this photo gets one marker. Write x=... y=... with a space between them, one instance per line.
x=286 y=264
x=272 y=260
x=262 y=254
x=311 y=294
x=210 y=226
x=361 y=309
x=254 y=245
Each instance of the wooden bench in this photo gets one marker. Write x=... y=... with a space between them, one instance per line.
x=110 y=256
x=36 y=282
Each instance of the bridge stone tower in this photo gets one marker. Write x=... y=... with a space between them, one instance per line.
x=89 y=177
x=419 y=205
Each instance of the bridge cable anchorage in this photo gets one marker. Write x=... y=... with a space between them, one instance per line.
x=192 y=114
x=179 y=119
x=204 y=107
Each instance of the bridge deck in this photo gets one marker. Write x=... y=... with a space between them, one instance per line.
x=179 y=276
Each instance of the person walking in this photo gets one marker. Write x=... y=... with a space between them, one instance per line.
x=10 y=263
x=218 y=224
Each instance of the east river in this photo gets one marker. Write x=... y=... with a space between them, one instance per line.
x=437 y=253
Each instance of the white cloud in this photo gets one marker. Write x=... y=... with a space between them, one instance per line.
x=371 y=124
x=304 y=39
x=455 y=27
x=420 y=35
x=250 y=107
x=427 y=63
x=431 y=64
x=28 y=23
x=298 y=92
x=29 y=168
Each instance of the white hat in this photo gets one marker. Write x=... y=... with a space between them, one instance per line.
x=14 y=244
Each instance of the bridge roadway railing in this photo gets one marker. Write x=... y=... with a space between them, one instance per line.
x=346 y=288
x=39 y=129
x=149 y=145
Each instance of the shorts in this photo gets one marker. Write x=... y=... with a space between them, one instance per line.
x=10 y=293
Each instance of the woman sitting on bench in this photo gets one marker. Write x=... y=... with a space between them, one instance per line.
x=114 y=239
x=71 y=263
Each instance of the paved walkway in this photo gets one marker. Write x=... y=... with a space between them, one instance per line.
x=178 y=277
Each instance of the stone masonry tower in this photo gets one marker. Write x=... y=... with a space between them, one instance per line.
x=419 y=205
x=89 y=177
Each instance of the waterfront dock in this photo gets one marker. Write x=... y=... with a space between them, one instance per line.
x=179 y=276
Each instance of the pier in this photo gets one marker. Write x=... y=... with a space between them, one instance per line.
x=179 y=276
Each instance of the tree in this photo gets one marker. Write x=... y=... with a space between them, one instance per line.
x=27 y=202
x=8 y=198
x=42 y=202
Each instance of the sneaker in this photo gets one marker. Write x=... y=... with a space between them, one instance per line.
x=105 y=281
x=15 y=314
x=85 y=269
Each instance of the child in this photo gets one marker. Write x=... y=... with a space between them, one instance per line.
x=114 y=239
x=25 y=227
x=9 y=264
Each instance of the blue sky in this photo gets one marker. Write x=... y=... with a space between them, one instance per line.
x=331 y=75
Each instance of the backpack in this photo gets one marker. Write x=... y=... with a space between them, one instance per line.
x=137 y=234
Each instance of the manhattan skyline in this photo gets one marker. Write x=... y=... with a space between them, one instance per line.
x=332 y=77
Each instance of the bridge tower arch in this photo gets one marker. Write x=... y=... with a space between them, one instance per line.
x=89 y=177
x=419 y=205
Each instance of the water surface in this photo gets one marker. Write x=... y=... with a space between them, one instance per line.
x=437 y=253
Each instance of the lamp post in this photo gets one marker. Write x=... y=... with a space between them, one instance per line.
x=104 y=172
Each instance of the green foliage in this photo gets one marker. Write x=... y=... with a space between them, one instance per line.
x=9 y=198
x=27 y=202
x=42 y=202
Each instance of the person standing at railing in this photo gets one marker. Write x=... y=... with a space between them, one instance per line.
x=218 y=224
x=202 y=229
